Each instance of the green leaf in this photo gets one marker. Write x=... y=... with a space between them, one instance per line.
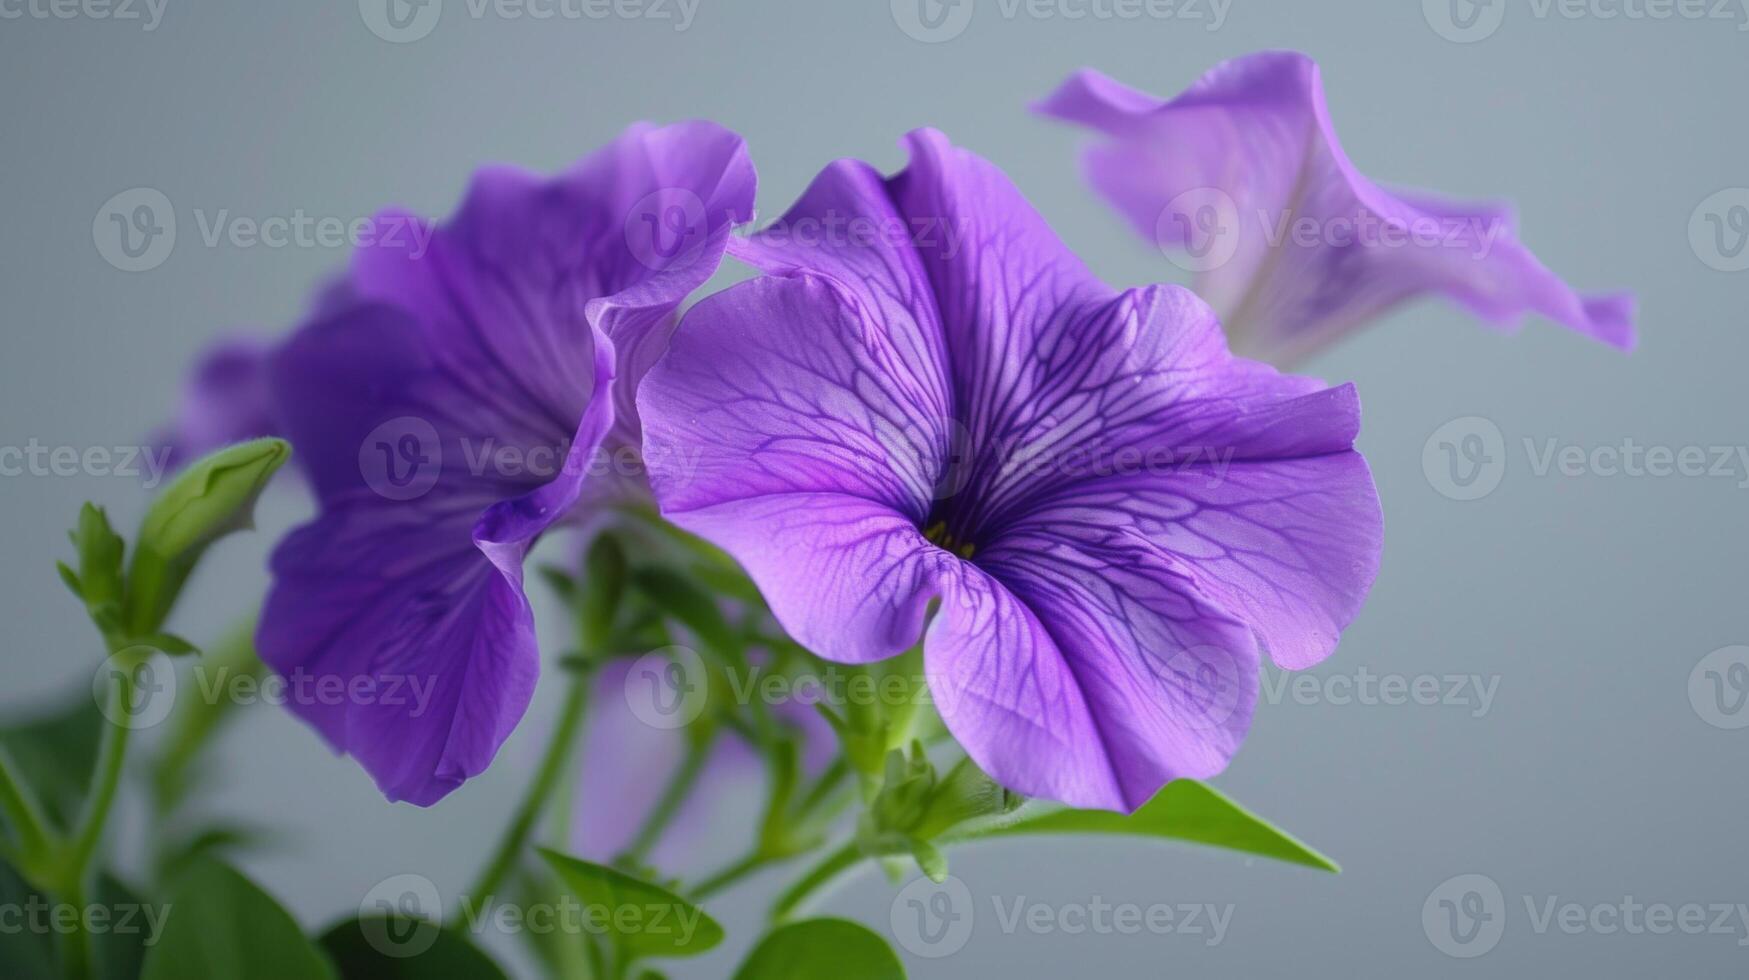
x=225 y=927
x=28 y=944
x=385 y=947
x=815 y=948
x=24 y=952
x=1184 y=810
x=55 y=754
x=121 y=945
x=100 y=553
x=166 y=643
x=561 y=954
x=642 y=919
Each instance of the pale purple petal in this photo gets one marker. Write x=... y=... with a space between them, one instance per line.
x=1167 y=677
x=1294 y=247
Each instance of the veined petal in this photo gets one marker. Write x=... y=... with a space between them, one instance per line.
x=449 y=400
x=1293 y=246
x=1139 y=678
x=400 y=643
x=846 y=577
x=1288 y=546
x=787 y=385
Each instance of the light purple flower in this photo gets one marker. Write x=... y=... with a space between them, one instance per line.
x=1242 y=180
x=448 y=402
x=627 y=762
x=939 y=403
x=224 y=400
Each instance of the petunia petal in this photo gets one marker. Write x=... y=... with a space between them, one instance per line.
x=1124 y=669
x=1292 y=245
x=787 y=385
x=449 y=400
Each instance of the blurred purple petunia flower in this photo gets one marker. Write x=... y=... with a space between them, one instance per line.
x=929 y=399
x=224 y=400
x=450 y=400
x=630 y=762
x=1242 y=180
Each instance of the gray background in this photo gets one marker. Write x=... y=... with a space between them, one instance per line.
x=1589 y=599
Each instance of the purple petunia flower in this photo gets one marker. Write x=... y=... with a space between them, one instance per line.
x=224 y=400
x=1242 y=180
x=450 y=401
x=929 y=400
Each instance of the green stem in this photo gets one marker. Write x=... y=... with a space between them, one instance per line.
x=680 y=786
x=724 y=877
x=818 y=877
x=111 y=754
x=75 y=866
x=21 y=809
x=78 y=951
x=552 y=768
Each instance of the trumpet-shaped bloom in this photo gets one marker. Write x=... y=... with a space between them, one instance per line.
x=450 y=401
x=1241 y=179
x=928 y=402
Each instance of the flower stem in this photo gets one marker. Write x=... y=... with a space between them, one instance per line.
x=818 y=877
x=680 y=786
x=20 y=807
x=75 y=865
x=552 y=769
x=729 y=875
x=111 y=754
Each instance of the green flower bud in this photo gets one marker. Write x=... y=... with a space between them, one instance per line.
x=213 y=497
